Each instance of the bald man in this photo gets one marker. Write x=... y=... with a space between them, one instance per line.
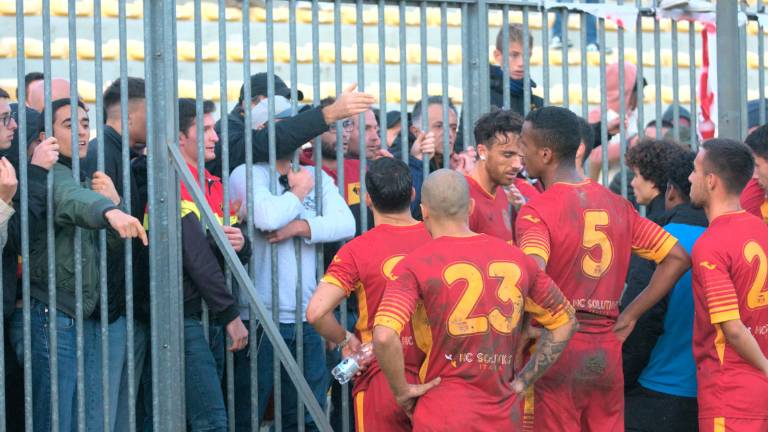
x=36 y=95
x=474 y=288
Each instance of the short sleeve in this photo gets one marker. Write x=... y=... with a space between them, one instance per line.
x=719 y=292
x=532 y=233
x=399 y=300
x=649 y=240
x=545 y=302
x=343 y=271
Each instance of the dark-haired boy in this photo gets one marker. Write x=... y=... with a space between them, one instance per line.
x=364 y=265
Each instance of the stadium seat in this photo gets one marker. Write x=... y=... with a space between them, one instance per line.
x=279 y=15
x=87 y=91
x=135 y=50
x=556 y=57
x=753 y=60
x=371 y=54
x=186 y=51
x=685 y=26
x=133 y=10
x=83 y=8
x=185 y=12
x=210 y=12
x=258 y=52
x=33 y=48
x=186 y=89
x=86 y=49
x=349 y=15
x=393 y=91
x=31 y=7
x=9 y=85
x=413 y=54
x=304 y=15
x=233 y=90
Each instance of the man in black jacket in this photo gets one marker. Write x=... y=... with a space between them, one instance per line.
x=113 y=168
x=291 y=133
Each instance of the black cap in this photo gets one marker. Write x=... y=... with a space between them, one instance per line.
x=393 y=118
x=33 y=123
x=259 y=87
x=669 y=114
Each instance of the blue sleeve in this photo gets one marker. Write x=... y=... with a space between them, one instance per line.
x=417 y=174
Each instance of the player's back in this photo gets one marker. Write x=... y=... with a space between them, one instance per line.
x=587 y=233
x=474 y=290
x=730 y=281
x=364 y=265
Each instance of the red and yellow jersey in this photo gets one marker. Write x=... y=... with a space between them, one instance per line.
x=730 y=269
x=474 y=290
x=491 y=213
x=754 y=201
x=586 y=234
x=364 y=265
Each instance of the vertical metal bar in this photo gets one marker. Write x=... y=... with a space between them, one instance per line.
x=403 y=86
x=640 y=79
x=224 y=139
x=277 y=386
x=317 y=152
x=162 y=109
x=424 y=80
x=692 y=85
x=50 y=233
x=657 y=71
x=444 y=81
x=566 y=49
x=128 y=245
x=603 y=105
x=761 y=62
x=743 y=81
x=728 y=59
x=526 y=65
x=103 y=296
x=359 y=36
x=675 y=82
x=584 y=77
x=622 y=111
x=382 y=76
x=475 y=40
x=466 y=113
x=505 y=56
x=545 y=53
x=24 y=195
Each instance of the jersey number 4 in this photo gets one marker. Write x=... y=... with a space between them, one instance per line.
x=595 y=238
x=459 y=322
x=757 y=297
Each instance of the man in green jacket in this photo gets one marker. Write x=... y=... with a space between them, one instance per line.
x=77 y=203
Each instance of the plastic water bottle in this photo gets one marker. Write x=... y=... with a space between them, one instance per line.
x=346 y=370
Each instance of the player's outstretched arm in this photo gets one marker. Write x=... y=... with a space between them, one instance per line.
x=744 y=343
x=320 y=315
x=667 y=273
x=549 y=348
x=389 y=353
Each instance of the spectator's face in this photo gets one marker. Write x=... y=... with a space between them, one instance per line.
x=761 y=171
x=699 y=181
x=516 y=65
x=436 y=126
x=137 y=123
x=7 y=126
x=188 y=141
x=645 y=190
x=329 y=138
x=63 y=119
x=503 y=160
x=372 y=140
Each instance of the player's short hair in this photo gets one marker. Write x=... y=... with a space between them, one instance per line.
x=516 y=35
x=556 y=126
x=446 y=193
x=730 y=160
x=649 y=157
x=497 y=122
x=112 y=93
x=587 y=136
x=389 y=184
x=188 y=112
x=679 y=166
x=758 y=141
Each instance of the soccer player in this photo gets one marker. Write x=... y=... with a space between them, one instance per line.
x=753 y=197
x=583 y=235
x=474 y=288
x=496 y=135
x=363 y=266
x=730 y=336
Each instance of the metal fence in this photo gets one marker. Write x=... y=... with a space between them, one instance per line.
x=400 y=51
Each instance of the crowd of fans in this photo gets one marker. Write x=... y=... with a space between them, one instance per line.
x=659 y=371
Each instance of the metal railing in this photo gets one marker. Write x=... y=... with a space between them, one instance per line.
x=315 y=23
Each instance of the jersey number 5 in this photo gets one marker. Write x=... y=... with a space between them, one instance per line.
x=757 y=297
x=594 y=238
x=459 y=322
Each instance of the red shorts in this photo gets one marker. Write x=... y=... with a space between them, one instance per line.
x=722 y=424
x=376 y=408
x=584 y=389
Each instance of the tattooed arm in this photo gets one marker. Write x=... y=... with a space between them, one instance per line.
x=548 y=350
